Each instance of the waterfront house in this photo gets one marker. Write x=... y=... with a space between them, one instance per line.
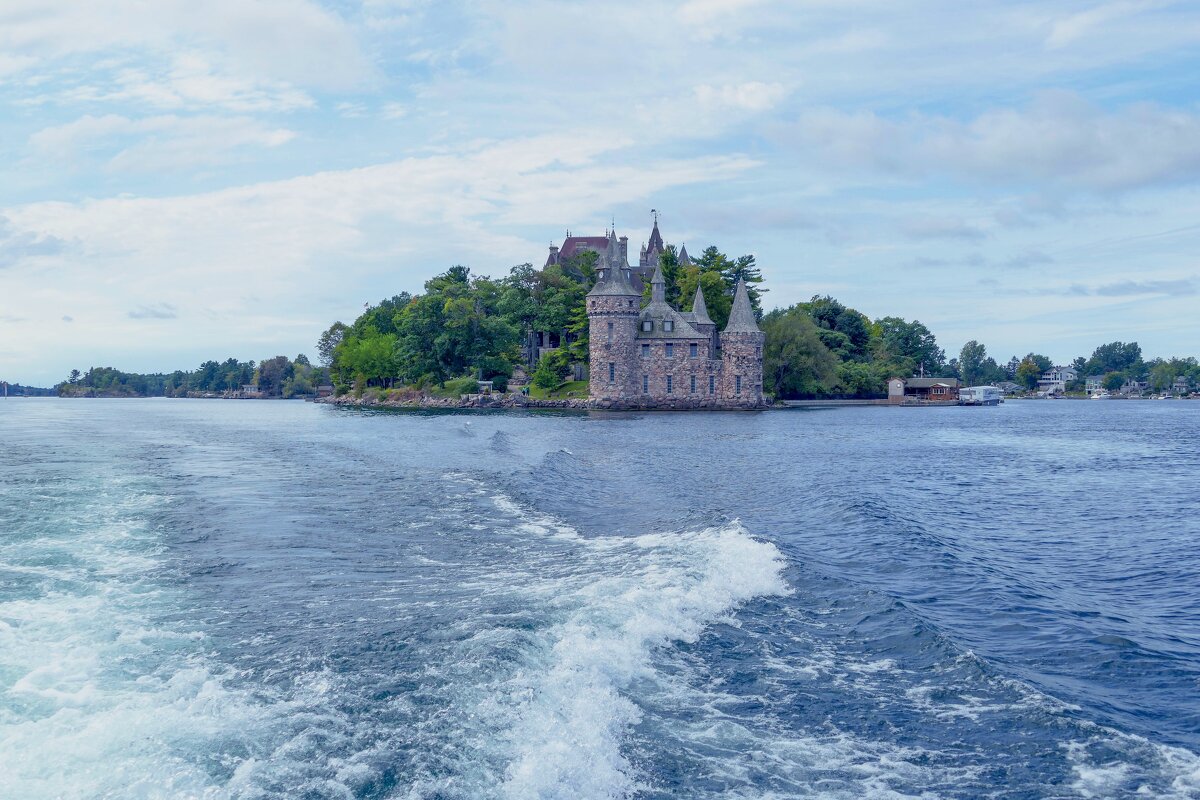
x=1094 y=384
x=1055 y=379
x=1134 y=388
x=1010 y=388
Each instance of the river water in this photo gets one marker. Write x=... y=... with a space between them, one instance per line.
x=203 y=599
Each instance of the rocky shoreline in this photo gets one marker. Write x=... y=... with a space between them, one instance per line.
x=515 y=401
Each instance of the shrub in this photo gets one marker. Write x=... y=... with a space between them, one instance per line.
x=459 y=386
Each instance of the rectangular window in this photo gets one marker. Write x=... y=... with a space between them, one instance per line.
x=645 y=384
x=648 y=325
x=668 y=324
x=610 y=330
x=737 y=383
x=670 y=385
x=645 y=351
x=612 y=372
x=693 y=350
x=712 y=384
x=693 y=389
x=670 y=350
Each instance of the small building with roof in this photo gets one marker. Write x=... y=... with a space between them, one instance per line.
x=923 y=390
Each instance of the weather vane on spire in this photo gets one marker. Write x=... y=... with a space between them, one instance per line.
x=654 y=211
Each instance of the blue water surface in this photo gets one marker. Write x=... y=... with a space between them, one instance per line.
x=220 y=599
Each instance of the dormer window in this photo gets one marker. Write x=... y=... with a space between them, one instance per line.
x=648 y=325
x=668 y=324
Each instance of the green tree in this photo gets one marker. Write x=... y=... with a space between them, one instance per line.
x=1116 y=357
x=971 y=363
x=1114 y=381
x=552 y=369
x=328 y=342
x=1043 y=362
x=1028 y=373
x=271 y=375
x=907 y=346
x=795 y=362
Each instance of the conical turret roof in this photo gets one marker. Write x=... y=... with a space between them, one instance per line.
x=656 y=240
x=684 y=258
x=658 y=286
x=615 y=280
x=741 y=316
x=700 y=310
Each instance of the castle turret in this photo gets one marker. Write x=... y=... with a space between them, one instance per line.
x=741 y=352
x=700 y=319
x=613 y=306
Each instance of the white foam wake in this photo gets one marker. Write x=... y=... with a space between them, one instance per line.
x=571 y=711
x=98 y=696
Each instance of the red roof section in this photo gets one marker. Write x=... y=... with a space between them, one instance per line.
x=573 y=245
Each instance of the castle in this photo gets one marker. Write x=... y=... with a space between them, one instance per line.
x=658 y=357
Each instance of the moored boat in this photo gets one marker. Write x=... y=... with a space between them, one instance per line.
x=980 y=396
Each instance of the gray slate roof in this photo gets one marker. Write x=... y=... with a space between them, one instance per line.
x=699 y=313
x=741 y=316
x=615 y=280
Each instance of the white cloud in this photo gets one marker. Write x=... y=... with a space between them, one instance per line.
x=166 y=142
x=710 y=19
x=943 y=228
x=1060 y=140
x=232 y=55
x=17 y=244
x=1068 y=29
x=749 y=96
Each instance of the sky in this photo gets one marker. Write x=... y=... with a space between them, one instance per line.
x=182 y=181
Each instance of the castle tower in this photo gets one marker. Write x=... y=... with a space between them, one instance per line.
x=613 y=306
x=741 y=353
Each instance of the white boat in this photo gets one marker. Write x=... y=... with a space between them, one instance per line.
x=980 y=396
x=1101 y=396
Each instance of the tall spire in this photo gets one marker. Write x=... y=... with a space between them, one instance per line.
x=658 y=286
x=684 y=259
x=741 y=316
x=656 y=240
x=700 y=310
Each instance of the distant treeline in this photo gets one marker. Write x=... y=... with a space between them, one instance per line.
x=466 y=327
x=17 y=390
x=275 y=377
x=1115 y=363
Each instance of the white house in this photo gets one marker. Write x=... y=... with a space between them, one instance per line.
x=1055 y=379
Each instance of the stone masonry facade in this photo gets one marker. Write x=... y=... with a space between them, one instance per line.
x=656 y=357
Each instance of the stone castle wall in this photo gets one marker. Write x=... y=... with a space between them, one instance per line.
x=640 y=381
x=741 y=354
